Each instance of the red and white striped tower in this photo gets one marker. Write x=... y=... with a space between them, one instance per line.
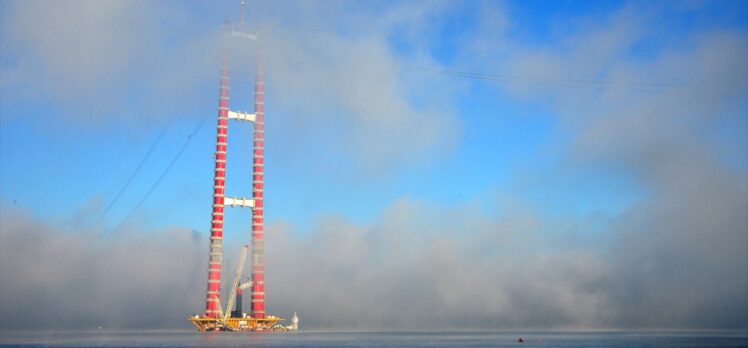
x=258 y=163
x=212 y=301
x=220 y=201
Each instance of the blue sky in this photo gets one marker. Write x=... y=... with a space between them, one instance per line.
x=594 y=114
x=500 y=137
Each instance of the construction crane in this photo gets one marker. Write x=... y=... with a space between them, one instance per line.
x=235 y=283
x=225 y=321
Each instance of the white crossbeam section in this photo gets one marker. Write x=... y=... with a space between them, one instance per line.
x=245 y=35
x=239 y=202
x=242 y=116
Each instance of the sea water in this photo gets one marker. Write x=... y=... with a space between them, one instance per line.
x=371 y=339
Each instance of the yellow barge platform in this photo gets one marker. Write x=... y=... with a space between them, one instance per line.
x=269 y=323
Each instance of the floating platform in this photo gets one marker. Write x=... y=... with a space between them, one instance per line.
x=269 y=323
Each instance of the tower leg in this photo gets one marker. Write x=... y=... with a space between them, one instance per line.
x=212 y=301
x=258 y=162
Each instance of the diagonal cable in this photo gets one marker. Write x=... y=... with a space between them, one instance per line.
x=165 y=172
x=136 y=171
x=569 y=83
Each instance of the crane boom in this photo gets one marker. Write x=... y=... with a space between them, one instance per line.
x=235 y=284
x=220 y=310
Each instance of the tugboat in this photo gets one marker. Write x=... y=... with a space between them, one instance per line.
x=285 y=328
x=294 y=323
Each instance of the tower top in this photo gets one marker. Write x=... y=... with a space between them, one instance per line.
x=243 y=5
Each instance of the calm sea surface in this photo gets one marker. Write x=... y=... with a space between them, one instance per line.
x=370 y=339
